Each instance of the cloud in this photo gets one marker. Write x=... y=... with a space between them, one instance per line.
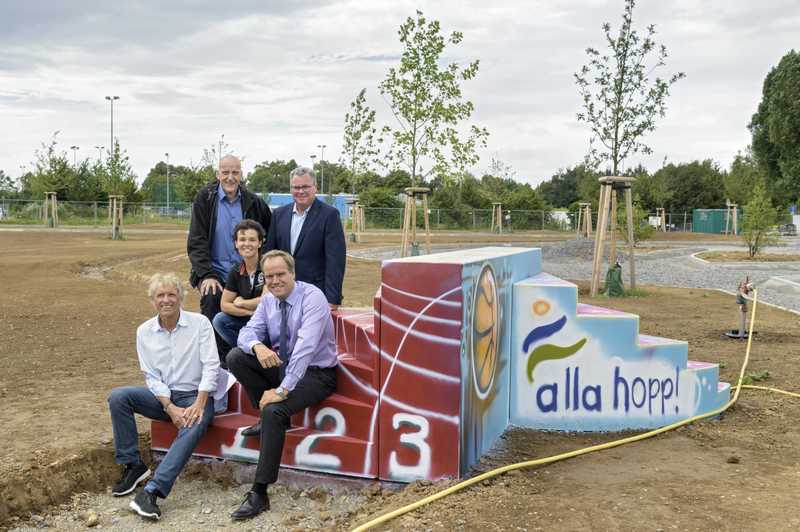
x=277 y=77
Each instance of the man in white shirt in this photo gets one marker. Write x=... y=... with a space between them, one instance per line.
x=178 y=356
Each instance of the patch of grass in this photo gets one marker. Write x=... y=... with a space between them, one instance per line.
x=636 y=292
x=742 y=256
x=758 y=376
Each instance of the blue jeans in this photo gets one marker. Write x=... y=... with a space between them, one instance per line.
x=126 y=401
x=228 y=328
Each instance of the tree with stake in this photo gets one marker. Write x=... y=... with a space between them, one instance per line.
x=620 y=101
x=427 y=104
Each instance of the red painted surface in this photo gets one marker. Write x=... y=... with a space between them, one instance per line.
x=339 y=440
x=414 y=431
x=420 y=370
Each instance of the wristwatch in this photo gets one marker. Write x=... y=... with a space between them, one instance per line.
x=283 y=392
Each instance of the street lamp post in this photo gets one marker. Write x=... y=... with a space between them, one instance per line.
x=167 y=156
x=322 y=167
x=111 y=141
x=313 y=161
x=219 y=153
x=99 y=153
x=74 y=155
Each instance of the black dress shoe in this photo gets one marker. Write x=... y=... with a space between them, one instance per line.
x=252 y=505
x=255 y=430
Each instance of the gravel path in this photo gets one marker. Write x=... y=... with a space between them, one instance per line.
x=778 y=282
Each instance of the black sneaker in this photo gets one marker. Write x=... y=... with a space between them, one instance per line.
x=131 y=477
x=145 y=505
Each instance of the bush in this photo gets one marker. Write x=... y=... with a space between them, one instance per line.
x=759 y=217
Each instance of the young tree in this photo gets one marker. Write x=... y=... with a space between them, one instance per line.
x=358 y=148
x=620 y=100
x=759 y=218
x=52 y=172
x=776 y=129
x=427 y=104
x=118 y=178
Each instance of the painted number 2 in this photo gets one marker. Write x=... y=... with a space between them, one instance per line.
x=415 y=440
x=303 y=453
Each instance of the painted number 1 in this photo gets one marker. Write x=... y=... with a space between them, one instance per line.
x=415 y=440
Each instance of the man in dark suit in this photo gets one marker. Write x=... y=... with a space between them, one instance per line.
x=311 y=231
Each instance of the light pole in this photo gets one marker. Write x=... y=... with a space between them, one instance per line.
x=322 y=167
x=313 y=161
x=167 y=156
x=219 y=153
x=100 y=153
x=74 y=155
x=111 y=141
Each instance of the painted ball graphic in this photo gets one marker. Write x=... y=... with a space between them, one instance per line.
x=485 y=329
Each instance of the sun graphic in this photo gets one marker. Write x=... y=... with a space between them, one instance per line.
x=541 y=307
x=485 y=331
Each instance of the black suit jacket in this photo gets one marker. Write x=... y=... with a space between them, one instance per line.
x=320 y=252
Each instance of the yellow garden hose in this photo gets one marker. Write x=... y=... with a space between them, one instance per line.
x=571 y=454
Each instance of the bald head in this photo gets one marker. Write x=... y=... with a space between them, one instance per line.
x=230 y=175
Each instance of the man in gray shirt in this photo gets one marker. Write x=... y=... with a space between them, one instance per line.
x=178 y=357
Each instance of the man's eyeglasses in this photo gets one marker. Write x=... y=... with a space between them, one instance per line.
x=300 y=188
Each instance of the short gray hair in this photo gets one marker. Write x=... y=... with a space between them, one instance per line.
x=301 y=171
x=165 y=279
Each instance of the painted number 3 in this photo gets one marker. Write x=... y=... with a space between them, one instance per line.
x=415 y=440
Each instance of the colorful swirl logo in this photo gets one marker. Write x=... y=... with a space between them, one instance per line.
x=485 y=332
x=547 y=351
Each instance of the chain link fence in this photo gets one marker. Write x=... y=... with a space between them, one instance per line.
x=465 y=220
x=95 y=213
x=178 y=215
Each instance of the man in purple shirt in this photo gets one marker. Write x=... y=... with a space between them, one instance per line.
x=298 y=371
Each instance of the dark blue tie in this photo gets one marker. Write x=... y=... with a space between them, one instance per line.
x=283 y=348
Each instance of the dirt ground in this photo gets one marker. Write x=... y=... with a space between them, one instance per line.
x=68 y=338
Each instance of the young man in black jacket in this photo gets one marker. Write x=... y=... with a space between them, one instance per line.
x=217 y=209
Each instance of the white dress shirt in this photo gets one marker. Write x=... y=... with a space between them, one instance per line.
x=184 y=359
x=298 y=220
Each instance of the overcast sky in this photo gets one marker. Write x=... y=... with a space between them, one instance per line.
x=276 y=77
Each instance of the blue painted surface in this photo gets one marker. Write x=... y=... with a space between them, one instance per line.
x=484 y=417
x=617 y=380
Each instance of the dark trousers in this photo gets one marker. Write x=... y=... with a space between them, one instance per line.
x=210 y=307
x=316 y=385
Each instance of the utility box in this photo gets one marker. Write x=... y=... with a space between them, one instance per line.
x=713 y=221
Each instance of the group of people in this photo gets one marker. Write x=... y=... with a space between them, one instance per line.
x=267 y=282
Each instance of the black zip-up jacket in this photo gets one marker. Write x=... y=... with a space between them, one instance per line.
x=204 y=223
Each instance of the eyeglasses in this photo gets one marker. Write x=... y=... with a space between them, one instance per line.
x=300 y=188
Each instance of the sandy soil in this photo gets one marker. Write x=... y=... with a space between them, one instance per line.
x=68 y=337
